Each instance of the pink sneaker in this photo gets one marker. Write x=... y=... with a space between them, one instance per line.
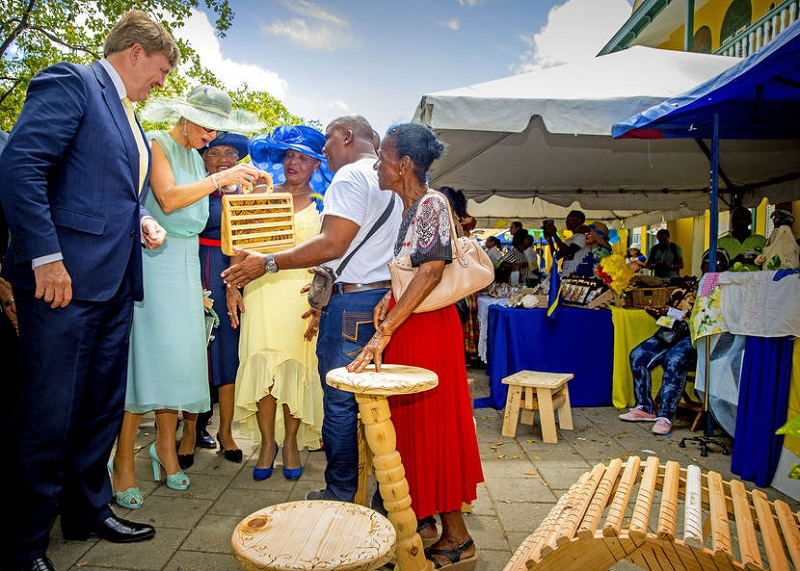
x=638 y=415
x=662 y=426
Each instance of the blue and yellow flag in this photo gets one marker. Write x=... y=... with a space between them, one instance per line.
x=554 y=293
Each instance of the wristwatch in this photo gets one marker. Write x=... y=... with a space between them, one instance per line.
x=270 y=265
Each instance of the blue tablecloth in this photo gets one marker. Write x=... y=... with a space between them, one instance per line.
x=580 y=341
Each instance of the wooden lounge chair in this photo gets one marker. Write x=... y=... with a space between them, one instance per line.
x=662 y=517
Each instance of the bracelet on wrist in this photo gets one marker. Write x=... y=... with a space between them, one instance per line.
x=214 y=181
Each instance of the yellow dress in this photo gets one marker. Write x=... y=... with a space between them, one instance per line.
x=273 y=356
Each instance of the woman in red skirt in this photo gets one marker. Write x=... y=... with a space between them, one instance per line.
x=435 y=429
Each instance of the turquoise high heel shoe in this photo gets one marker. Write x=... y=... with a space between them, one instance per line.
x=264 y=473
x=130 y=498
x=176 y=481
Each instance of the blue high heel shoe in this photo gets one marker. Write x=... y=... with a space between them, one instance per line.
x=176 y=481
x=264 y=473
x=292 y=473
x=130 y=498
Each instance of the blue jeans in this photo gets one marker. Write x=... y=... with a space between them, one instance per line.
x=676 y=360
x=345 y=327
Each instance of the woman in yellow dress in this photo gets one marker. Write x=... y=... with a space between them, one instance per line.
x=278 y=390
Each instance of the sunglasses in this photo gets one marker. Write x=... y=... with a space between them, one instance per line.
x=217 y=131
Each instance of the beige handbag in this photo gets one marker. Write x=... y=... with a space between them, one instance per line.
x=471 y=270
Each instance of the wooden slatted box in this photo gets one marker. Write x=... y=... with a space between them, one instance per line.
x=258 y=222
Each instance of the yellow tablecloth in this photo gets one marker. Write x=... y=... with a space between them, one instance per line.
x=793 y=444
x=631 y=327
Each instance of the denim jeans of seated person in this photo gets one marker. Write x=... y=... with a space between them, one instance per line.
x=675 y=360
x=345 y=327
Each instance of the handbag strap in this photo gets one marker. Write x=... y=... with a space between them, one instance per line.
x=378 y=223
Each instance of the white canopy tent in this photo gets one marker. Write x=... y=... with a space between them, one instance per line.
x=532 y=146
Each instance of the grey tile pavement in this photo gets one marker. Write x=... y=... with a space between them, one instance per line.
x=523 y=479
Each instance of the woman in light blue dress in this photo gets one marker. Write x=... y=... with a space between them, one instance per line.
x=167 y=368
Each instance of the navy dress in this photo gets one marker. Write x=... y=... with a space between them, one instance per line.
x=224 y=349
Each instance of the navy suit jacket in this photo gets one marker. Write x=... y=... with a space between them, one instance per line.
x=69 y=180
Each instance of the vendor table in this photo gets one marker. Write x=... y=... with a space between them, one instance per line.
x=592 y=344
x=580 y=341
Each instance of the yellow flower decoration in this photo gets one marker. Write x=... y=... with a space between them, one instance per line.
x=614 y=272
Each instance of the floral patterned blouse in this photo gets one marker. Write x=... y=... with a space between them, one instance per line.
x=425 y=231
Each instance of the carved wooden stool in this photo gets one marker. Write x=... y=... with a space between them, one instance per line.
x=532 y=390
x=371 y=389
x=313 y=535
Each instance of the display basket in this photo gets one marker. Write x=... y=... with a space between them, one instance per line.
x=258 y=222
x=651 y=296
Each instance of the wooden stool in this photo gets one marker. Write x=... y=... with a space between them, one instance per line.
x=532 y=390
x=319 y=535
x=371 y=389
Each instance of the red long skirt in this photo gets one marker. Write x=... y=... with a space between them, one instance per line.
x=435 y=429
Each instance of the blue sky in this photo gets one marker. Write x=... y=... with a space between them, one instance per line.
x=326 y=58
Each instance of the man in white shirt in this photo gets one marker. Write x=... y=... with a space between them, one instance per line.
x=353 y=205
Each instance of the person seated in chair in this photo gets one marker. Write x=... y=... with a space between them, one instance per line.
x=674 y=352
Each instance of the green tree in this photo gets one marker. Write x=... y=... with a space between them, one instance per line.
x=38 y=33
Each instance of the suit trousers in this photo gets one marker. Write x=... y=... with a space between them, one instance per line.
x=66 y=416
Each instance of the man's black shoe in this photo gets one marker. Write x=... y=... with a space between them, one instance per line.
x=113 y=529
x=204 y=439
x=39 y=564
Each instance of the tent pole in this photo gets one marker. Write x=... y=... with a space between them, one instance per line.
x=713 y=207
x=713 y=231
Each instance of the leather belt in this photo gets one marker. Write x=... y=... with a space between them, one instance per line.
x=342 y=288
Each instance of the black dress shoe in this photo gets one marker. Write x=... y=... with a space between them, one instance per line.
x=113 y=529
x=204 y=439
x=39 y=564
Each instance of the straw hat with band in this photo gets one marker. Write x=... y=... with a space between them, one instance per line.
x=206 y=106
x=267 y=152
x=600 y=232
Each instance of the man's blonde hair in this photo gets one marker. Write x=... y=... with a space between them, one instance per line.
x=136 y=27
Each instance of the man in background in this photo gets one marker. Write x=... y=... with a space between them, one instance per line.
x=665 y=258
x=741 y=244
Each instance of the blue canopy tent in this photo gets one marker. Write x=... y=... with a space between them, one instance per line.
x=758 y=98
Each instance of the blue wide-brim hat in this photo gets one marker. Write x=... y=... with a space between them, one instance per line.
x=268 y=150
x=235 y=140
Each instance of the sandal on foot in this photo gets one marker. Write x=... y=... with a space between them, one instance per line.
x=427 y=523
x=454 y=555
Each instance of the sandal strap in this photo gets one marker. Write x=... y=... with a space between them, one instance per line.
x=454 y=555
x=425 y=523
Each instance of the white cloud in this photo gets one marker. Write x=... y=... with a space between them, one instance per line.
x=200 y=33
x=468 y=2
x=453 y=24
x=576 y=30
x=317 y=29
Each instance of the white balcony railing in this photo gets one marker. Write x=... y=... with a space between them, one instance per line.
x=759 y=34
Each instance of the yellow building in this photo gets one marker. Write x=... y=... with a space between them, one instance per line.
x=735 y=28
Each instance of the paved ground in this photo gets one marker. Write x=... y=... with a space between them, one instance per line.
x=524 y=478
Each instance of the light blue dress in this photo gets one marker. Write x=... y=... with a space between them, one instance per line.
x=167 y=365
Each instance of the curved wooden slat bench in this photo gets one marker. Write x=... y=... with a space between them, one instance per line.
x=662 y=517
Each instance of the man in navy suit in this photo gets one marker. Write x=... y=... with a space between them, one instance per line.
x=70 y=182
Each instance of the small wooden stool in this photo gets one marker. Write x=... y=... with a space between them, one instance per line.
x=532 y=390
x=313 y=535
x=371 y=389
